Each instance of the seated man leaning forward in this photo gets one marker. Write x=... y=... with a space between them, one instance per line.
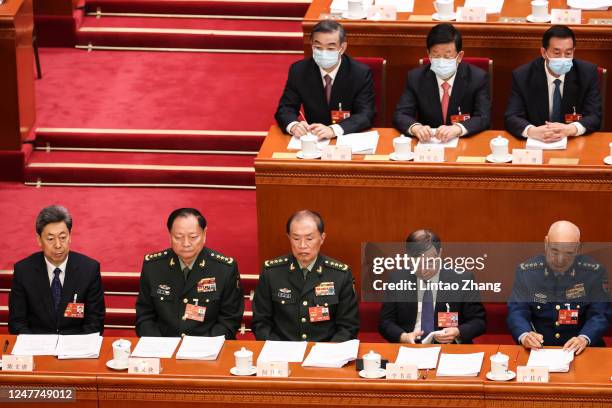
x=305 y=295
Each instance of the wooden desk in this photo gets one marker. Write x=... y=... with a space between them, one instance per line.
x=17 y=111
x=402 y=43
x=382 y=201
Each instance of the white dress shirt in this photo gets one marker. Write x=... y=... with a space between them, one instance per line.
x=440 y=81
x=550 y=81
x=337 y=129
x=51 y=268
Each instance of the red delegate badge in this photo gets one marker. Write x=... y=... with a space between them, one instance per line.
x=568 y=316
x=75 y=310
x=318 y=313
x=194 y=312
x=448 y=319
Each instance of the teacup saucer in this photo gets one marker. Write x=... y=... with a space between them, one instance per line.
x=380 y=373
x=492 y=159
x=351 y=16
x=300 y=155
x=533 y=19
x=450 y=17
x=252 y=371
x=395 y=157
x=507 y=376
x=608 y=160
x=114 y=365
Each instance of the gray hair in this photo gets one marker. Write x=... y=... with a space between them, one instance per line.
x=329 y=26
x=51 y=214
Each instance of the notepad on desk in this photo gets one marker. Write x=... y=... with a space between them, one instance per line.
x=332 y=355
x=557 y=360
x=200 y=348
x=422 y=357
x=361 y=143
x=460 y=365
x=539 y=145
x=79 y=346
x=289 y=351
x=156 y=347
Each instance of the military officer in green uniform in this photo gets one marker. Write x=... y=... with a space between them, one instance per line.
x=560 y=298
x=189 y=289
x=305 y=295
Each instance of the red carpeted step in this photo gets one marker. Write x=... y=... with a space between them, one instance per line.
x=191 y=33
x=248 y=141
x=140 y=168
x=280 y=8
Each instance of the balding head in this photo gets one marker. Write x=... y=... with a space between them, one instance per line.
x=562 y=244
x=563 y=231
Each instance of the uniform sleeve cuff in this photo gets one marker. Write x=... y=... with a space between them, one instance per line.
x=585 y=337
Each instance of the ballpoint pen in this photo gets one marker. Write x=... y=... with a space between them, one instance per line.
x=6 y=344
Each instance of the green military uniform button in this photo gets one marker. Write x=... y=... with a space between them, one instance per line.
x=303 y=320
x=305 y=303
x=557 y=335
x=304 y=336
x=558 y=307
x=185 y=300
x=556 y=323
x=161 y=298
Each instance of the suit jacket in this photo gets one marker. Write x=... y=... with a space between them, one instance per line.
x=164 y=294
x=31 y=309
x=399 y=317
x=421 y=103
x=528 y=103
x=353 y=87
x=283 y=299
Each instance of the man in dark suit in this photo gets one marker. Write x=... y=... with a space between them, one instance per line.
x=56 y=290
x=189 y=289
x=459 y=314
x=337 y=92
x=446 y=94
x=554 y=96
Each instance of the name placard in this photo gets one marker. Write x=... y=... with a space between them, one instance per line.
x=137 y=365
x=273 y=369
x=527 y=156
x=17 y=363
x=532 y=374
x=429 y=153
x=402 y=371
x=565 y=16
x=472 y=14
x=336 y=153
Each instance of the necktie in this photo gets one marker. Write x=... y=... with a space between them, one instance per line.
x=445 y=97
x=555 y=115
x=305 y=272
x=427 y=313
x=328 y=87
x=56 y=288
x=186 y=271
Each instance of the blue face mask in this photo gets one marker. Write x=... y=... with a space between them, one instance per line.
x=444 y=67
x=560 y=66
x=325 y=58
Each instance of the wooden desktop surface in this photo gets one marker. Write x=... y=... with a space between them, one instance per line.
x=383 y=201
x=209 y=382
x=509 y=45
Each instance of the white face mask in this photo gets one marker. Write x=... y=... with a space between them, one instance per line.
x=444 y=67
x=560 y=66
x=325 y=58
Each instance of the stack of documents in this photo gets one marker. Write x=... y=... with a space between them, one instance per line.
x=460 y=365
x=402 y=6
x=423 y=357
x=589 y=4
x=361 y=143
x=156 y=347
x=200 y=348
x=434 y=140
x=63 y=346
x=79 y=346
x=492 y=6
x=537 y=144
x=332 y=355
x=296 y=144
x=289 y=351
x=557 y=360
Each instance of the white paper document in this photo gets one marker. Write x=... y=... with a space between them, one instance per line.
x=332 y=355
x=492 y=6
x=79 y=346
x=589 y=4
x=35 y=345
x=434 y=140
x=423 y=357
x=156 y=347
x=296 y=144
x=460 y=365
x=537 y=144
x=340 y=6
x=557 y=360
x=289 y=351
x=361 y=143
x=200 y=348
x=402 y=6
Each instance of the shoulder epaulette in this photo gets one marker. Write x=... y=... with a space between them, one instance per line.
x=221 y=258
x=332 y=263
x=526 y=266
x=587 y=265
x=281 y=260
x=156 y=255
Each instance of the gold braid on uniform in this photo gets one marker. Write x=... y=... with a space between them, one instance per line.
x=332 y=263
x=156 y=255
x=221 y=258
x=281 y=260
